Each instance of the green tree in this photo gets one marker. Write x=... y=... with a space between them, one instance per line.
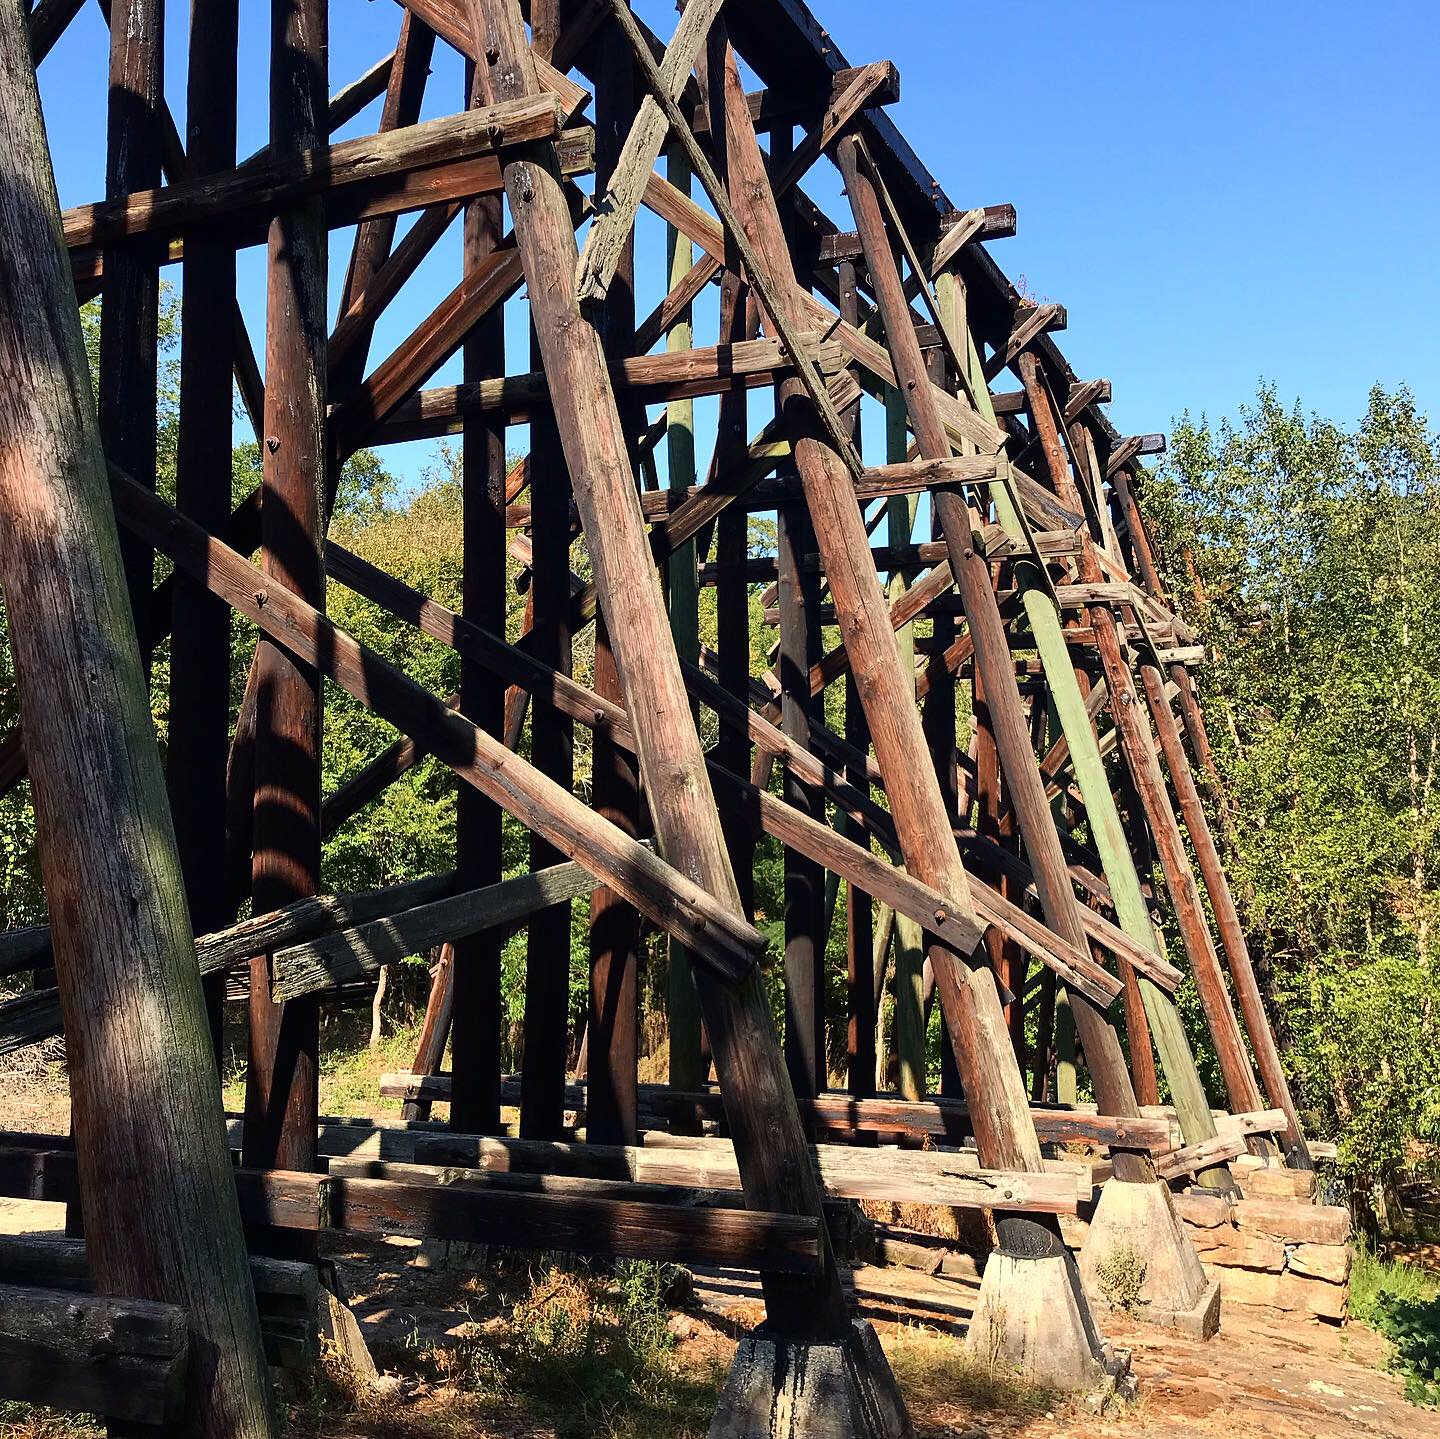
x=1308 y=554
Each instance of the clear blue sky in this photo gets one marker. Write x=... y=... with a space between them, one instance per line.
x=1217 y=192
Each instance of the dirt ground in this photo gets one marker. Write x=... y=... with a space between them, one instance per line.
x=1266 y=1376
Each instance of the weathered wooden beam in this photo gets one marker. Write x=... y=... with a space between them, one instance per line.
x=765 y=1121
x=362 y=950
x=616 y=207
x=426 y=1201
x=651 y=885
x=157 y=1195
x=228 y=199
x=371 y=247
x=125 y=1359
x=283 y=1070
x=643 y=379
x=883 y=1114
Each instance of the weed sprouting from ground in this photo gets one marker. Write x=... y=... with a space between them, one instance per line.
x=28 y=1421
x=1402 y=1302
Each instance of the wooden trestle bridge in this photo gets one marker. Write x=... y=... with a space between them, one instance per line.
x=1012 y=800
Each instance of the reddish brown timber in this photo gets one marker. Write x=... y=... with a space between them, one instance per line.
x=282 y=1074
x=124 y=1359
x=125 y=379
x=1026 y=325
x=450 y=19
x=924 y=905
x=1005 y=1135
x=665 y=895
x=769 y=1139
x=370 y=249
x=471 y=983
x=229 y=199
x=157 y=1196
x=1194 y=1158
x=940 y=1118
x=771 y=109
x=351 y=335
x=46 y=23
x=484 y=287
x=645 y=379
x=32 y=1017
x=990 y=222
x=199 y=734
x=856 y=96
x=363 y=950
x=959 y=524
x=443 y=183
x=435 y=1029
x=615 y=208
x=1222 y=901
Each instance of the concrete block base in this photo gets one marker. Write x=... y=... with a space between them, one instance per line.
x=1139 y=1258
x=778 y=1389
x=1033 y=1319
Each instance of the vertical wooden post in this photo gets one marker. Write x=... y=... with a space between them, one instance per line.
x=475 y=1003
x=281 y=1085
x=129 y=311
x=798 y=591
x=614 y=925
x=687 y=1064
x=547 y=954
x=155 y=1177
x=761 y=1110
x=1187 y=1091
x=859 y=907
x=1004 y=1133
x=547 y=951
x=992 y=651
x=199 y=745
x=908 y=1017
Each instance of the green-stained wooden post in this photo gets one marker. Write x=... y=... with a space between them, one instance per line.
x=909 y=1018
x=687 y=1067
x=1188 y=1093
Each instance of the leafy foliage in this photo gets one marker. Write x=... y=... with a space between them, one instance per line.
x=1307 y=554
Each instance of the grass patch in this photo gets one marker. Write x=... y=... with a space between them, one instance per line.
x=1402 y=1302
x=30 y=1421
x=943 y=1385
x=555 y=1347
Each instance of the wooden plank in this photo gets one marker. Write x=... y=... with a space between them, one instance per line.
x=615 y=209
x=645 y=379
x=662 y=893
x=446 y=1203
x=228 y=198
x=1193 y=1158
x=925 y=1177
x=125 y=1359
x=941 y=1118
x=365 y=949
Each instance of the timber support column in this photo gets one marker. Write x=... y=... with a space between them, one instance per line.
x=1138 y=1221
x=156 y=1185
x=282 y=1082
x=1032 y=1312
x=807 y=1317
x=1042 y=1322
